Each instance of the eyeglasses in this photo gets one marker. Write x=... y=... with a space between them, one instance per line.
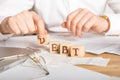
x=40 y=62
x=28 y=54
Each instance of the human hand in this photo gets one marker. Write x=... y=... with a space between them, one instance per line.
x=26 y=22
x=82 y=20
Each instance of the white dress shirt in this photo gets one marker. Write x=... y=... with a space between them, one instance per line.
x=54 y=12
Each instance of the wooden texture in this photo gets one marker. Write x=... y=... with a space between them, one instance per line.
x=113 y=68
x=77 y=51
x=54 y=47
x=65 y=49
x=44 y=41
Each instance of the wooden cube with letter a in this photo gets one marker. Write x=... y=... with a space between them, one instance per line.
x=77 y=51
x=65 y=49
x=54 y=47
x=44 y=40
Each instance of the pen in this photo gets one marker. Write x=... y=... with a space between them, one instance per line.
x=18 y=61
x=12 y=57
x=1 y=59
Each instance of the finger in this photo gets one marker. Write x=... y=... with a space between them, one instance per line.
x=8 y=29
x=5 y=29
x=40 y=25
x=4 y=26
x=90 y=23
x=70 y=17
x=76 y=19
x=29 y=22
x=82 y=22
x=63 y=25
x=13 y=25
x=21 y=24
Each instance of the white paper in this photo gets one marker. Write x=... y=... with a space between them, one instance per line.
x=114 y=78
x=21 y=73
x=57 y=59
x=96 y=61
x=21 y=41
x=64 y=72
x=68 y=72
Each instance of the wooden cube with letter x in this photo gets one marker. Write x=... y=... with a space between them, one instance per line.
x=44 y=41
x=77 y=51
x=54 y=47
x=65 y=49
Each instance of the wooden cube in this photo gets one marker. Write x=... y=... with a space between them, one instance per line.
x=54 y=47
x=65 y=49
x=44 y=41
x=77 y=51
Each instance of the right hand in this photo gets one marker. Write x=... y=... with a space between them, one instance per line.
x=26 y=22
x=83 y=20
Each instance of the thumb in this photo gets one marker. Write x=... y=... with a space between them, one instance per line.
x=63 y=24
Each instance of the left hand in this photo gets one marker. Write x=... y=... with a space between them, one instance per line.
x=84 y=20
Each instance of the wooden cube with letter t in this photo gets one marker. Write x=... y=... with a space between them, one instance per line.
x=54 y=47
x=44 y=41
x=77 y=51
x=65 y=49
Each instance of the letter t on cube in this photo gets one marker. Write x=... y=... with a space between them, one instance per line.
x=77 y=51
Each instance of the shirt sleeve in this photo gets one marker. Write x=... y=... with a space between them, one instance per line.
x=12 y=7
x=114 y=17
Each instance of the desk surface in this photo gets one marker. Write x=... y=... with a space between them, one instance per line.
x=112 y=69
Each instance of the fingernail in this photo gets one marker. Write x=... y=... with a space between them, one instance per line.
x=63 y=25
x=41 y=36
